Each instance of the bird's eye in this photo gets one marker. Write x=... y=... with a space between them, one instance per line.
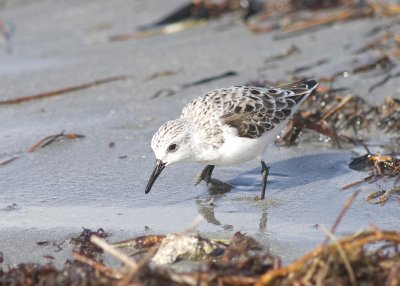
x=172 y=147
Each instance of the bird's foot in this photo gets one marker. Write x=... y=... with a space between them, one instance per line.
x=214 y=185
x=217 y=186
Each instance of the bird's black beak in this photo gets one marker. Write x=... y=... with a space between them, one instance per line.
x=160 y=165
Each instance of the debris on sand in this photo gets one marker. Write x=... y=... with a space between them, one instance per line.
x=61 y=91
x=367 y=258
x=379 y=167
x=175 y=247
x=342 y=119
x=52 y=138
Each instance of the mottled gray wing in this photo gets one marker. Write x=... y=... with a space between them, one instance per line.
x=254 y=111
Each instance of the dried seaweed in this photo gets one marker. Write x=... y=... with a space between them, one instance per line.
x=207 y=9
x=377 y=42
x=366 y=258
x=363 y=258
x=346 y=119
x=381 y=65
x=8 y=161
x=238 y=261
x=65 y=90
x=43 y=143
x=140 y=242
x=52 y=138
x=383 y=196
x=372 y=255
x=83 y=246
x=192 y=14
x=294 y=18
x=379 y=167
x=383 y=81
x=74 y=273
x=159 y=74
x=302 y=26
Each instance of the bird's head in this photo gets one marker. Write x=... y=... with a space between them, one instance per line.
x=171 y=144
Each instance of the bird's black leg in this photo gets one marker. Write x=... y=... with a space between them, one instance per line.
x=205 y=175
x=264 y=172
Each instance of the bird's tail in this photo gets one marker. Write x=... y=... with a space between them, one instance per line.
x=309 y=83
x=301 y=89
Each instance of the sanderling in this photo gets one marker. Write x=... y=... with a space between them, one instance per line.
x=228 y=126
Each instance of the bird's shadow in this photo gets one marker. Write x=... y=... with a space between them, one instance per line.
x=296 y=171
x=284 y=174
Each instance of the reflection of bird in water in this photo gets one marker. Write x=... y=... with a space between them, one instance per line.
x=206 y=208
x=263 y=221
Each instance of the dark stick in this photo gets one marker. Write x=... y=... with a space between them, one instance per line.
x=50 y=139
x=63 y=90
x=8 y=161
x=54 y=138
x=383 y=81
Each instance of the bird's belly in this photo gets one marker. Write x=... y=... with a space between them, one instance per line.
x=237 y=149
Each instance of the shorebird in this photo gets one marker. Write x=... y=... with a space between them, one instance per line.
x=228 y=126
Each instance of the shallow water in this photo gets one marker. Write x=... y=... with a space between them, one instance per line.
x=85 y=183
